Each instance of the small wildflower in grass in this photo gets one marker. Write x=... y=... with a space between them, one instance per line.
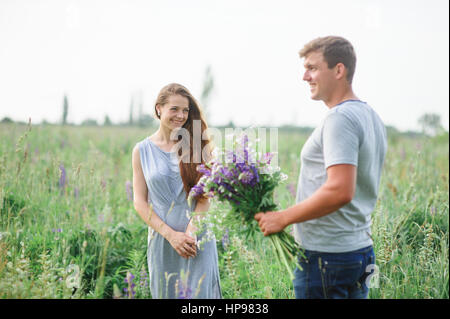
x=129 y=190
x=76 y=192
x=291 y=189
x=185 y=292
x=226 y=239
x=432 y=210
x=62 y=177
x=129 y=290
x=143 y=283
x=103 y=184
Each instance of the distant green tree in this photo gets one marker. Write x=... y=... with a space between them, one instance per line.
x=130 y=121
x=141 y=114
x=146 y=120
x=65 y=110
x=430 y=123
x=6 y=120
x=89 y=122
x=107 y=121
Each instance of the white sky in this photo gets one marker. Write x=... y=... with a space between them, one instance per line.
x=102 y=52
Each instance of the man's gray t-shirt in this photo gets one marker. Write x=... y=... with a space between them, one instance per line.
x=351 y=133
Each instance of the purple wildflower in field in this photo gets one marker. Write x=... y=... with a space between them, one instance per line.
x=432 y=210
x=56 y=230
x=101 y=218
x=103 y=184
x=62 y=177
x=130 y=289
x=403 y=153
x=226 y=239
x=76 y=192
x=185 y=292
x=129 y=190
x=36 y=154
x=143 y=282
x=291 y=189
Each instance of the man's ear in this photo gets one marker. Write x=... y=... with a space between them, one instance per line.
x=340 y=71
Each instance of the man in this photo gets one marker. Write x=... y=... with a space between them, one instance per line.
x=341 y=165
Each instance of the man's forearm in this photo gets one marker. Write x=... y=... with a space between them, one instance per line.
x=327 y=199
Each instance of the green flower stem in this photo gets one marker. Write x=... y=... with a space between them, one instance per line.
x=276 y=242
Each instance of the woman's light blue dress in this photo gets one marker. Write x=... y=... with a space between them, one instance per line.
x=172 y=276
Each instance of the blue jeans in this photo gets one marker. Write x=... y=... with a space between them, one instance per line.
x=334 y=275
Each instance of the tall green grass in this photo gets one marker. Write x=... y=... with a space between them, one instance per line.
x=84 y=232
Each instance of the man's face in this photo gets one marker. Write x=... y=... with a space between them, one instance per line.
x=320 y=78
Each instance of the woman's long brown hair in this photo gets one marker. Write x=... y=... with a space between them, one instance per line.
x=188 y=169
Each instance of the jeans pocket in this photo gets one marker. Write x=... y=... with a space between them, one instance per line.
x=338 y=274
x=370 y=268
x=301 y=280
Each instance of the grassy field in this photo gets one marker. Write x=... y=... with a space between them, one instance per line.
x=67 y=219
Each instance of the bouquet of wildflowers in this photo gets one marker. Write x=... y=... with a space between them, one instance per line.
x=247 y=184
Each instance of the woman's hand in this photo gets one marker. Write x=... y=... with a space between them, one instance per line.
x=183 y=244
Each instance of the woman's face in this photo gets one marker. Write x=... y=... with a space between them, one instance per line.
x=175 y=112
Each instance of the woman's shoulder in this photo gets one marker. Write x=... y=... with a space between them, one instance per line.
x=140 y=147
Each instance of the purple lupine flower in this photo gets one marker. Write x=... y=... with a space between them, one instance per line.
x=36 y=154
x=227 y=173
x=76 y=192
x=432 y=210
x=129 y=190
x=246 y=177
x=403 y=153
x=130 y=289
x=185 y=292
x=245 y=144
x=197 y=190
x=291 y=189
x=62 y=177
x=103 y=184
x=267 y=157
x=143 y=283
x=203 y=169
x=217 y=179
x=225 y=239
x=255 y=172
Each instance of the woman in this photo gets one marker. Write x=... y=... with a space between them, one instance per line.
x=162 y=178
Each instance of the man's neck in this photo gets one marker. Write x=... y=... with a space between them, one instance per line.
x=340 y=97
